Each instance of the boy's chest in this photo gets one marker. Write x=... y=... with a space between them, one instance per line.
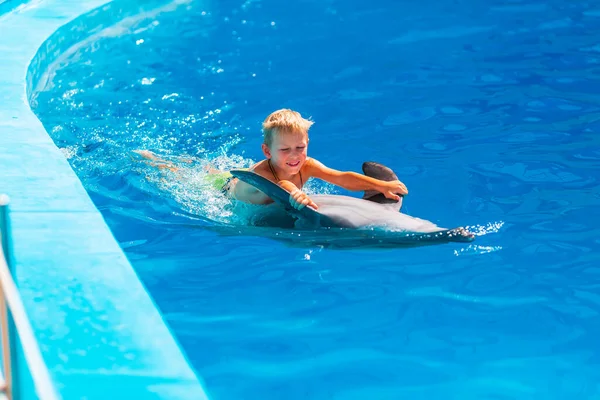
x=298 y=179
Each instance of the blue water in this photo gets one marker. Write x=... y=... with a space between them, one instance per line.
x=487 y=111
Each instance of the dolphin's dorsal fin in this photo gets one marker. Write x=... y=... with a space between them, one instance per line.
x=381 y=172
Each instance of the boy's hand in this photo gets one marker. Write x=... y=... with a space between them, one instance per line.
x=391 y=188
x=299 y=200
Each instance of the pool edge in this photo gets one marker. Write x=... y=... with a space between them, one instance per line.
x=75 y=280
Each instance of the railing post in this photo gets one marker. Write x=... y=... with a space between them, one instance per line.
x=12 y=376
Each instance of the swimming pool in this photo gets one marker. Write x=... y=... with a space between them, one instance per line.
x=487 y=111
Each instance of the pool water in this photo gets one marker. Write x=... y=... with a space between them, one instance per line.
x=487 y=111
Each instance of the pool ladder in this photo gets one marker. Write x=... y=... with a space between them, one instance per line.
x=13 y=320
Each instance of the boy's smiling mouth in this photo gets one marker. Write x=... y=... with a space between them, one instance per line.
x=293 y=164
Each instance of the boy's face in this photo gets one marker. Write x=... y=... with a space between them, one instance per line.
x=287 y=151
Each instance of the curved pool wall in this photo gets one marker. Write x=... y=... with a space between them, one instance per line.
x=99 y=331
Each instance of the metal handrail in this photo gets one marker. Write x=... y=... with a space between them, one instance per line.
x=9 y=296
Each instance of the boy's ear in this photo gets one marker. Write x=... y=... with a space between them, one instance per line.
x=266 y=150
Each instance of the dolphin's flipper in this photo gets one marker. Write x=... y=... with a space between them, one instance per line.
x=274 y=191
x=281 y=196
x=381 y=172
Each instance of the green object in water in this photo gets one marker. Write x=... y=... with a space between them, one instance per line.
x=218 y=180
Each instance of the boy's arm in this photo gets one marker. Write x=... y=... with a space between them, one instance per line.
x=249 y=194
x=354 y=181
x=298 y=199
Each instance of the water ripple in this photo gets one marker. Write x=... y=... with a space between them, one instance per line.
x=490 y=124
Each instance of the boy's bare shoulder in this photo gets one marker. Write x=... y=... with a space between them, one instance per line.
x=261 y=168
x=312 y=165
x=311 y=162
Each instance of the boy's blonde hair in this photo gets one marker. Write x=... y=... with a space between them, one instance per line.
x=284 y=120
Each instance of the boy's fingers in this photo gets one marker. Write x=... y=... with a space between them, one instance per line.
x=299 y=200
x=393 y=196
x=303 y=203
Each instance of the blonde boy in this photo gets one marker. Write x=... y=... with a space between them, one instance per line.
x=287 y=164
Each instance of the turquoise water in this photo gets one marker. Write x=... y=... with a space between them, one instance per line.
x=487 y=111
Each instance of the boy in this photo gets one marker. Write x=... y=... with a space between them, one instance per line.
x=285 y=148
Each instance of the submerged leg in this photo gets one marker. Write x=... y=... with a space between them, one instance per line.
x=156 y=161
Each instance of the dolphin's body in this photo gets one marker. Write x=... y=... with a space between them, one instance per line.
x=375 y=214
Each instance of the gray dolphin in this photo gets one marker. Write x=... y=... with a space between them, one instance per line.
x=374 y=213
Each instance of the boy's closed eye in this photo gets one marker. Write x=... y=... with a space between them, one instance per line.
x=297 y=148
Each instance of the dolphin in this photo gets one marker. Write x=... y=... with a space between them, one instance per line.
x=373 y=213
